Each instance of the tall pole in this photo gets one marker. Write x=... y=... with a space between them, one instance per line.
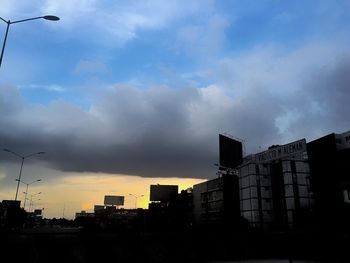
x=25 y=198
x=64 y=208
x=19 y=178
x=31 y=200
x=3 y=46
x=20 y=172
x=26 y=192
x=30 y=204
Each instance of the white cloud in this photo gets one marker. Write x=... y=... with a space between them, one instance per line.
x=15 y=10
x=71 y=11
x=120 y=20
x=106 y=21
x=204 y=39
x=51 y=87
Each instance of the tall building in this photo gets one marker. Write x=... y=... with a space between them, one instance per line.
x=274 y=185
x=329 y=158
x=216 y=201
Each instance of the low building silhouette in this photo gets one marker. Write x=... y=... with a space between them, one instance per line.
x=216 y=201
x=168 y=209
x=12 y=216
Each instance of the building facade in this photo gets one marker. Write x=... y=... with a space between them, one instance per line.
x=274 y=187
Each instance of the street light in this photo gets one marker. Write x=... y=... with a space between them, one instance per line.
x=32 y=205
x=9 y=22
x=20 y=171
x=136 y=199
x=25 y=198
x=31 y=198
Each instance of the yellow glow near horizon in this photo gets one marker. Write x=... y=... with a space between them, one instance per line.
x=76 y=192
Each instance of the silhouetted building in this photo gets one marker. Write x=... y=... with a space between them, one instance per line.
x=329 y=159
x=83 y=213
x=217 y=201
x=274 y=187
x=163 y=193
x=98 y=208
x=11 y=214
x=168 y=208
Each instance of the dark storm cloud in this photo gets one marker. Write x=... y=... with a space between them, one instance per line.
x=127 y=131
x=156 y=132
x=163 y=132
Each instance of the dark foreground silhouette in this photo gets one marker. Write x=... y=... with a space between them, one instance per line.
x=73 y=244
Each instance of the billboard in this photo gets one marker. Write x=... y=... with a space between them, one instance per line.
x=290 y=150
x=38 y=212
x=114 y=200
x=230 y=150
x=99 y=207
x=11 y=203
x=163 y=193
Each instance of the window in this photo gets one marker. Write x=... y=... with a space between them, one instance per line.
x=293 y=167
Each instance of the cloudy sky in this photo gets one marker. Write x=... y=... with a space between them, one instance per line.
x=122 y=94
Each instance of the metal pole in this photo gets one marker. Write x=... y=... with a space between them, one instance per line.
x=19 y=178
x=30 y=204
x=3 y=46
x=64 y=208
x=48 y=17
x=25 y=199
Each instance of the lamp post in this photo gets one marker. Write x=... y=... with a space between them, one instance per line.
x=20 y=171
x=9 y=22
x=25 y=198
x=31 y=198
x=136 y=196
x=33 y=205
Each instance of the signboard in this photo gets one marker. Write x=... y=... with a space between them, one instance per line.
x=114 y=200
x=99 y=207
x=290 y=150
x=11 y=203
x=163 y=193
x=38 y=212
x=230 y=151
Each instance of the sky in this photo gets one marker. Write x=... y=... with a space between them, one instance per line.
x=123 y=94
